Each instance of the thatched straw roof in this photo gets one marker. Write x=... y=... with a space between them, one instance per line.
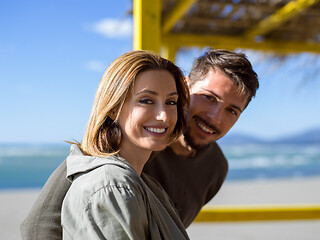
x=277 y=25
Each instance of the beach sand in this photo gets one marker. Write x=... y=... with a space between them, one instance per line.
x=16 y=204
x=14 y=207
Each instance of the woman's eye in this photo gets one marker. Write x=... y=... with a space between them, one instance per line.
x=145 y=101
x=172 y=102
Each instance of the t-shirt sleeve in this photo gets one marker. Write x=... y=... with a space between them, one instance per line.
x=43 y=221
x=112 y=213
x=222 y=168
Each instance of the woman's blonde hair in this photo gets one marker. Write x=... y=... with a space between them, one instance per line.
x=103 y=135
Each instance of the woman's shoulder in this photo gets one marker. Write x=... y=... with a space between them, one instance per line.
x=110 y=187
x=107 y=178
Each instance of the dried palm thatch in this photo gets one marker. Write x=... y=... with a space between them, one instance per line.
x=277 y=25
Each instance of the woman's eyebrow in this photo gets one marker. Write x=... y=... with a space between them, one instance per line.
x=173 y=94
x=147 y=91
x=155 y=93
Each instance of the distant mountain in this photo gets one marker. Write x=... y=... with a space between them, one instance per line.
x=239 y=138
x=310 y=136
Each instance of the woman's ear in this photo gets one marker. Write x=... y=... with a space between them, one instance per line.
x=187 y=81
x=112 y=115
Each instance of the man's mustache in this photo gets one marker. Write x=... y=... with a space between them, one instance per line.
x=211 y=126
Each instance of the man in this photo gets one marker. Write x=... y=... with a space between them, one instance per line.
x=193 y=168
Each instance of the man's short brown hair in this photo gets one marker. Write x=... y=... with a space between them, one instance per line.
x=235 y=65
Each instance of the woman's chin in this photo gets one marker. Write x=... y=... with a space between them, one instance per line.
x=158 y=147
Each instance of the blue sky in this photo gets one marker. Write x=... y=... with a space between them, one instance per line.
x=53 y=53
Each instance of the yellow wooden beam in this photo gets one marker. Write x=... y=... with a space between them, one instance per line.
x=258 y=213
x=175 y=14
x=147 y=25
x=193 y=40
x=232 y=43
x=283 y=14
x=169 y=52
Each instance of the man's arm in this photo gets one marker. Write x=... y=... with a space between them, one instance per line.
x=44 y=219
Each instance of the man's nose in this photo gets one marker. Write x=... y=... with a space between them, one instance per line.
x=215 y=115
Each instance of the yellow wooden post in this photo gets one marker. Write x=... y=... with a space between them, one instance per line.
x=147 y=25
x=169 y=52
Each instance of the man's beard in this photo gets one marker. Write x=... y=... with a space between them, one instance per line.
x=189 y=139
x=190 y=142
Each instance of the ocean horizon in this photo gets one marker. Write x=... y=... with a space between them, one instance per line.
x=30 y=165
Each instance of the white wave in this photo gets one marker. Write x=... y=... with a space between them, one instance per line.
x=282 y=161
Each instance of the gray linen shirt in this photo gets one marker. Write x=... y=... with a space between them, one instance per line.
x=109 y=200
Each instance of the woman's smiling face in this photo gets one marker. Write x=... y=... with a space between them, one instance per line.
x=149 y=114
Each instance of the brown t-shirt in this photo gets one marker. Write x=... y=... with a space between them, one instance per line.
x=190 y=183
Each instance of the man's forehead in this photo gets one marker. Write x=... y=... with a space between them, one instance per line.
x=222 y=88
x=214 y=79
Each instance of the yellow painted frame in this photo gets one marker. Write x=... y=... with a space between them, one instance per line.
x=147 y=25
x=175 y=14
x=232 y=43
x=149 y=35
x=259 y=213
x=153 y=33
x=288 y=11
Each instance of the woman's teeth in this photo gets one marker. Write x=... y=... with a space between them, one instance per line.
x=156 y=130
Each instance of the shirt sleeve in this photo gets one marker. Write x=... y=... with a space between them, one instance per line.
x=220 y=175
x=113 y=213
x=43 y=221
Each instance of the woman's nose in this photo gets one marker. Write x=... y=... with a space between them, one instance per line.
x=161 y=114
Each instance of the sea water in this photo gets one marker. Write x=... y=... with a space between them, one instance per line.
x=30 y=165
x=263 y=161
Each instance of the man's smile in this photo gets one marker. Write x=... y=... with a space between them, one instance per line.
x=204 y=126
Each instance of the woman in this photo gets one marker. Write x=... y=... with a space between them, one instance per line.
x=139 y=108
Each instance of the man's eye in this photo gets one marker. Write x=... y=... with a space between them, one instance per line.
x=233 y=111
x=209 y=97
x=145 y=101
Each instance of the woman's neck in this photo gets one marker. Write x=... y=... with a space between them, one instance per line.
x=136 y=159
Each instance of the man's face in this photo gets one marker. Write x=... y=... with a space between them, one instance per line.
x=215 y=106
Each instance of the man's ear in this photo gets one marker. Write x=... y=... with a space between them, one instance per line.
x=187 y=80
